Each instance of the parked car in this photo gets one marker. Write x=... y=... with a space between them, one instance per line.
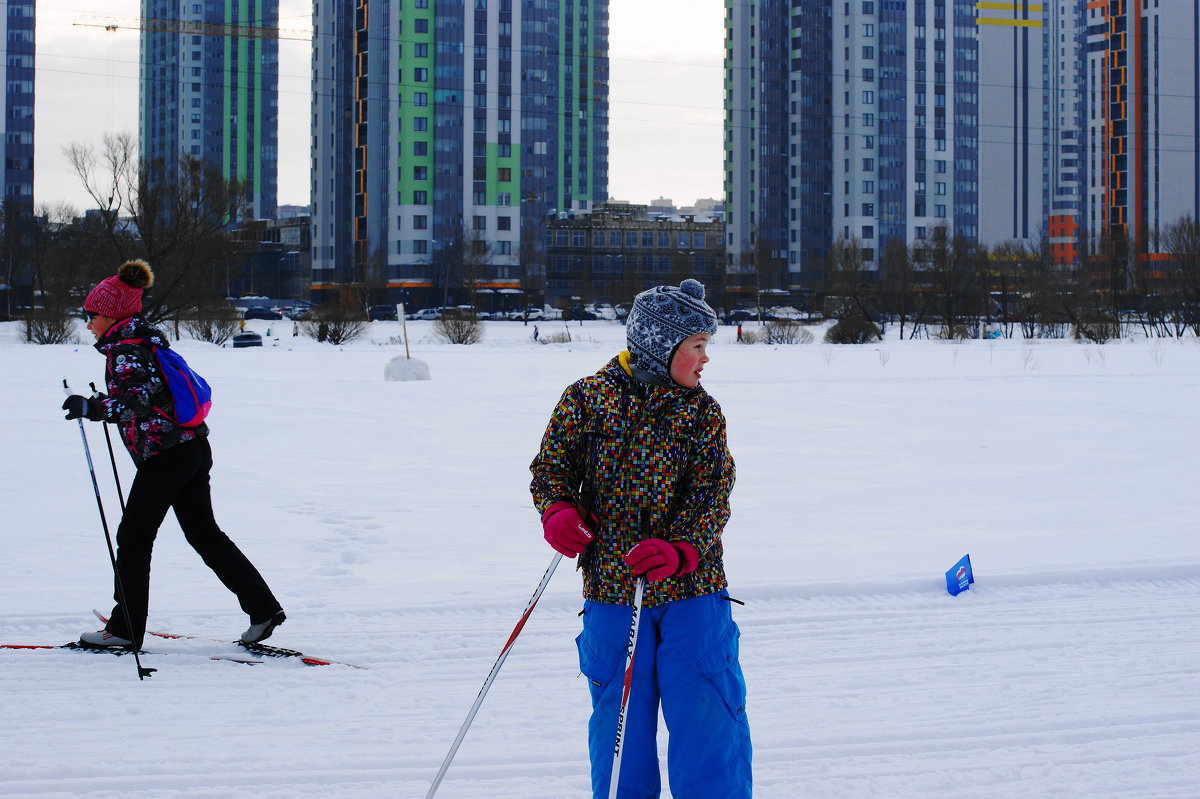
x=533 y=314
x=247 y=340
x=261 y=313
x=426 y=314
x=382 y=313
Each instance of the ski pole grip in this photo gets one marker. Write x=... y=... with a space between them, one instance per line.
x=66 y=388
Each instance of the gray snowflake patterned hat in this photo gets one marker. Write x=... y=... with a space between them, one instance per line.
x=660 y=319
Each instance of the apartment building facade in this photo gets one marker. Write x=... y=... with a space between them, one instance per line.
x=209 y=74
x=446 y=133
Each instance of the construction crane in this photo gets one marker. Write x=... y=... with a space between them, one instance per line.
x=184 y=26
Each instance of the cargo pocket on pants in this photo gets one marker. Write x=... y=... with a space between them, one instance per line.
x=599 y=664
x=719 y=665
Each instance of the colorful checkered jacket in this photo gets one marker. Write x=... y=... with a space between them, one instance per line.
x=648 y=462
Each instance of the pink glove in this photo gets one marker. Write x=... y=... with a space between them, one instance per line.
x=564 y=529
x=659 y=559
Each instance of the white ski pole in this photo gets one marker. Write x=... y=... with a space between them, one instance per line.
x=631 y=647
x=537 y=594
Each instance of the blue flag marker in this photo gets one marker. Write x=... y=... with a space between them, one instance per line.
x=959 y=578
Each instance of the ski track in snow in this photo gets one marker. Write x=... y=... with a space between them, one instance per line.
x=1020 y=691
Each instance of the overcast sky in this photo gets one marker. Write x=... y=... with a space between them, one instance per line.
x=665 y=95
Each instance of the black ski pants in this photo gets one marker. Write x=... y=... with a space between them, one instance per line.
x=178 y=478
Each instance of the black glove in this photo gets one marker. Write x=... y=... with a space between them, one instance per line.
x=77 y=406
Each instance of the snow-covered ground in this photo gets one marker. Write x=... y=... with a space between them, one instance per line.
x=393 y=521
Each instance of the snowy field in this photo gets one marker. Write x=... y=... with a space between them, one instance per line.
x=393 y=521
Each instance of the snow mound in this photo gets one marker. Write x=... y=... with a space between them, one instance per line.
x=400 y=368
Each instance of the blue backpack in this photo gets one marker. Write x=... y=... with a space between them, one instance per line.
x=190 y=392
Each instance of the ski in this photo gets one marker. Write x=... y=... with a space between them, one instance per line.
x=80 y=647
x=265 y=650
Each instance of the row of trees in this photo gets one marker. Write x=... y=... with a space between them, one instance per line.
x=178 y=225
x=951 y=287
x=180 y=221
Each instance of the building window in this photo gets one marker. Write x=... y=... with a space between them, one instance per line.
x=504 y=198
x=421 y=75
x=868 y=187
x=420 y=247
x=939 y=211
x=421 y=99
x=420 y=222
x=421 y=25
x=420 y=173
x=868 y=209
x=868 y=96
x=939 y=189
x=504 y=223
x=504 y=248
x=420 y=123
x=504 y=174
x=421 y=197
x=420 y=148
x=868 y=232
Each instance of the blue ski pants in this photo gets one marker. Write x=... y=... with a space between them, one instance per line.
x=686 y=659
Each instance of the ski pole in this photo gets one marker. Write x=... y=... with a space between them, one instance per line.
x=111 y=457
x=143 y=673
x=631 y=647
x=462 y=732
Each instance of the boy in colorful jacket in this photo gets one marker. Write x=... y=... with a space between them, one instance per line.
x=633 y=476
x=173 y=465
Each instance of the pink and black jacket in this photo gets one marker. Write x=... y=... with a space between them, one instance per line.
x=139 y=402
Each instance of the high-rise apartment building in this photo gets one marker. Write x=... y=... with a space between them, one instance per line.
x=1142 y=154
x=16 y=27
x=445 y=132
x=209 y=90
x=881 y=120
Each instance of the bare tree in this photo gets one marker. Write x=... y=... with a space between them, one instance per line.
x=175 y=217
x=1182 y=286
x=852 y=296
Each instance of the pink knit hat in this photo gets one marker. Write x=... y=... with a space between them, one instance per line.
x=120 y=296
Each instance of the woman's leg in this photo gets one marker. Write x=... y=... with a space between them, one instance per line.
x=193 y=509
x=155 y=487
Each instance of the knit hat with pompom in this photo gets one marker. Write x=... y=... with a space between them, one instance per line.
x=120 y=296
x=660 y=319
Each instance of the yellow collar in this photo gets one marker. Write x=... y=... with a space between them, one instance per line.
x=623 y=358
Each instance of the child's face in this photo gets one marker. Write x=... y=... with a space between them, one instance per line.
x=689 y=360
x=99 y=324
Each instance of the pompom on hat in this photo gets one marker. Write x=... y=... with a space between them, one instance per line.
x=660 y=319
x=120 y=296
